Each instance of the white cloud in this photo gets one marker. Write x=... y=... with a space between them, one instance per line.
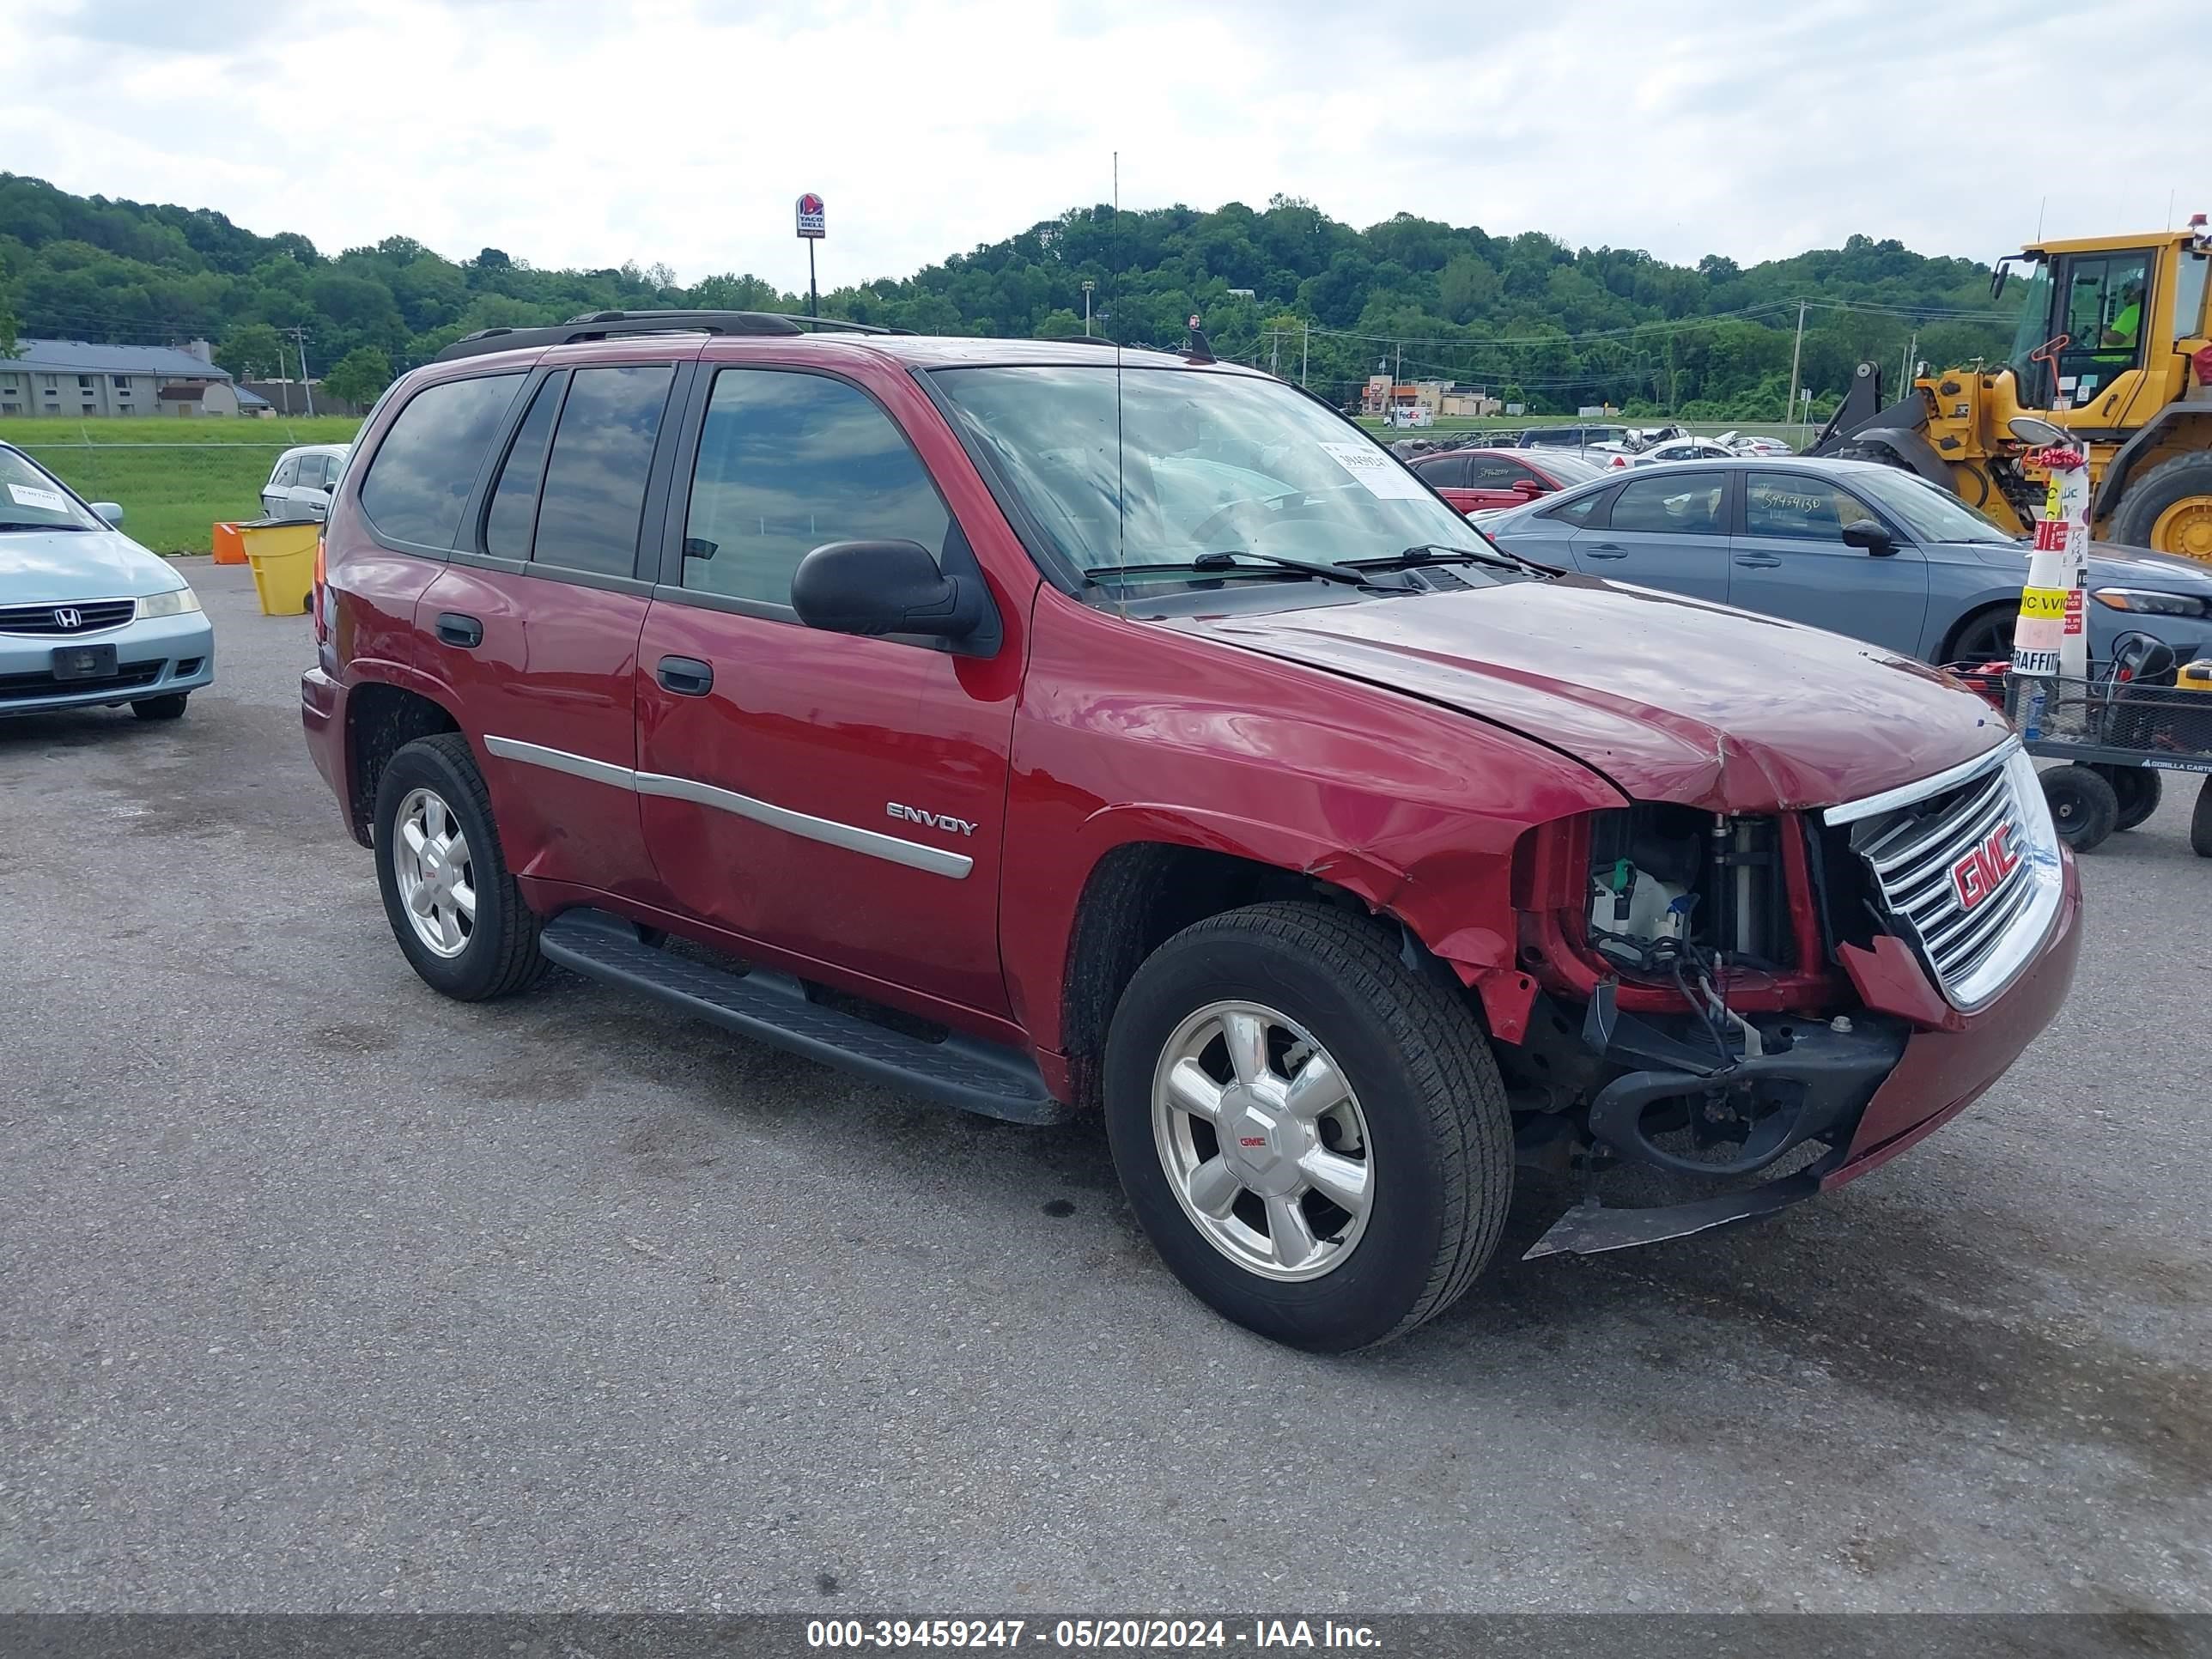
x=572 y=133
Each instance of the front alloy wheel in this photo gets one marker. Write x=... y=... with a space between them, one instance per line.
x=1262 y=1141
x=1310 y=1129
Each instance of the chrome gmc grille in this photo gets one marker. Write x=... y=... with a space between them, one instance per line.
x=75 y=616
x=1967 y=866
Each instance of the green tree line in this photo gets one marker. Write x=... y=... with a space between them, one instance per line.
x=1287 y=286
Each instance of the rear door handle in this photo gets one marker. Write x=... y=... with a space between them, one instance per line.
x=1750 y=561
x=455 y=629
x=1607 y=550
x=687 y=676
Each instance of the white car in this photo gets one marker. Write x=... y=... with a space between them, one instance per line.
x=301 y=482
x=1745 y=443
x=1683 y=449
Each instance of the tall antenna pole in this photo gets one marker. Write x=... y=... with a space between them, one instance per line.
x=1795 y=352
x=299 y=339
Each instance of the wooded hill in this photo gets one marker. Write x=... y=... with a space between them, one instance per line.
x=1523 y=314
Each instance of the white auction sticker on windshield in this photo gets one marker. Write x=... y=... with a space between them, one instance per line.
x=31 y=496
x=1382 y=476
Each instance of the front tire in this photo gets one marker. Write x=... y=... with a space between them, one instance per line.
x=1312 y=1134
x=456 y=911
x=2169 y=509
x=1985 y=636
x=162 y=708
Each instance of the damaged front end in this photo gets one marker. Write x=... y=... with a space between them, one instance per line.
x=1723 y=998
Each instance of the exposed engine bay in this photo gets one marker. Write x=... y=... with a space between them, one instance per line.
x=1691 y=1086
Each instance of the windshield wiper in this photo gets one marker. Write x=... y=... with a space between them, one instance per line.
x=17 y=524
x=1327 y=572
x=1436 y=553
x=1227 y=564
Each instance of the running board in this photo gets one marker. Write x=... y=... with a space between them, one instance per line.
x=963 y=1071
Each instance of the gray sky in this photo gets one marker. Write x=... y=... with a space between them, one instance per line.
x=574 y=133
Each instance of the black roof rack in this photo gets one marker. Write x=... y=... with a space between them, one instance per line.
x=608 y=324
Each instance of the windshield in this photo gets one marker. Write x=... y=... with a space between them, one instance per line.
x=1928 y=512
x=33 y=499
x=2034 y=326
x=1206 y=463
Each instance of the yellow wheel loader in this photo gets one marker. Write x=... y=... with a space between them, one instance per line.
x=2115 y=345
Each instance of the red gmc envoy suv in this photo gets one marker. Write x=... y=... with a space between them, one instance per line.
x=1047 y=725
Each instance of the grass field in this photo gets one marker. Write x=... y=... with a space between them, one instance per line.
x=175 y=478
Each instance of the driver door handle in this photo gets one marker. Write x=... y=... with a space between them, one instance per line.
x=1607 y=550
x=1758 y=562
x=687 y=676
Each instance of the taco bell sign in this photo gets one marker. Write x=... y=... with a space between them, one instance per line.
x=810 y=217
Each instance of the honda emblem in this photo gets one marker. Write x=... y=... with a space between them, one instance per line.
x=69 y=618
x=1982 y=871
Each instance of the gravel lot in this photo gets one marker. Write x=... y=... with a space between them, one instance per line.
x=319 y=1292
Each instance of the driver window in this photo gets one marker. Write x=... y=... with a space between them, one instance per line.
x=1671 y=502
x=2104 y=301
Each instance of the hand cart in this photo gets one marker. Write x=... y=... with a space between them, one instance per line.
x=2117 y=735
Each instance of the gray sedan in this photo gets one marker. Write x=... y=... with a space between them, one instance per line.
x=1855 y=548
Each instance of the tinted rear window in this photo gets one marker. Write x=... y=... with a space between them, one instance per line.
x=594 y=491
x=420 y=478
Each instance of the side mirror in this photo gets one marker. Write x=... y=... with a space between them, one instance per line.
x=871 y=588
x=1871 y=537
x=111 y=512
x=1527 y=488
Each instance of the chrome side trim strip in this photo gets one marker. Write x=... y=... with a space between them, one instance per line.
x=559 y=760
x=914 y=855
x=829 y=831
x=1906 y=794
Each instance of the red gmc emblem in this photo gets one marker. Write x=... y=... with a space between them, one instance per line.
x=1251 y=1140
x=1978 y=874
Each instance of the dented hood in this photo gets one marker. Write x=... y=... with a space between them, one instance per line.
x=1671 y=699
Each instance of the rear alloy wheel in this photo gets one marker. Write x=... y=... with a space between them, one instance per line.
x=161 y=708
x=2084 y=807
x=1312 y=1132
x=456 y=912
x=2169 y=509
x=2138 y=789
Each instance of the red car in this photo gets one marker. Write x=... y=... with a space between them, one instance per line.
x=1037 y=726
x=1471 y=479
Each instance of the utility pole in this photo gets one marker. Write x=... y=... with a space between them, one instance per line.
x=1789 y=403
x=1274 y=351
x=1305 y=351
x=1088 y=284
x=1912 y=348
x=1670 y=372
x=299 y=339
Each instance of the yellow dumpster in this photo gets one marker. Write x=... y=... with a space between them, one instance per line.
x=282 y=555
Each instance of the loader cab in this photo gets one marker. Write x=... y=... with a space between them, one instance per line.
x=2099 y=302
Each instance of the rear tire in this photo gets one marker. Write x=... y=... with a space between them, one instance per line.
x=2138 y=788
x=2200 y=822
x=2083 y=805
x=162 y=708
x=1422 y=1124
x=456 y=911
x=2178 y=491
